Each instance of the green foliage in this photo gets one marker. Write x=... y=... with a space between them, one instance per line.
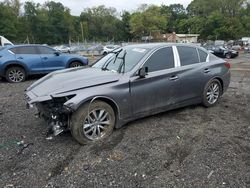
x=220 y=19
x=8 y=19
x=52 y=23
x=150 y=19
x=101 y=23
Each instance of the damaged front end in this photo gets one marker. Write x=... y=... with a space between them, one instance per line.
x=55 y=113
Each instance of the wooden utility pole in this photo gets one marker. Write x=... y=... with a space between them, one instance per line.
x=82 y=31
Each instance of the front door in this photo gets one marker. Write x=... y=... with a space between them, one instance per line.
x=52 y=61
x=156 y=90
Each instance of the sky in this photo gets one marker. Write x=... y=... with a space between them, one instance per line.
x=77 y=6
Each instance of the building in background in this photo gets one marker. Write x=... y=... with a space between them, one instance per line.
x=173 y=37
x=180 y=38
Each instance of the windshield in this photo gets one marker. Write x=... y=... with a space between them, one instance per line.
x=122 y=59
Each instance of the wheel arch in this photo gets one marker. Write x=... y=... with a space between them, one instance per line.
x=112 y=103
x=15 y=64
x=221 y=82
x=74 y=60
x=216 y=78
x=105 y=99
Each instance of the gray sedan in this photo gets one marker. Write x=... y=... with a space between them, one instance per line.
x=129 y=83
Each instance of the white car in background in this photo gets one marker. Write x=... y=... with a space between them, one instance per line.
x=109 y=48
x=63 y=49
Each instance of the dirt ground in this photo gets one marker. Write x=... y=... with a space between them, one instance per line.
x=188 y=147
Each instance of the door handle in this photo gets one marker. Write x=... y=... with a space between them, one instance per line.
x=207 y=70
x=20 y=58
x=172 y=78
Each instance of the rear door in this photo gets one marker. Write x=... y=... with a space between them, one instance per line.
x=156 y=90
x=51 y=60
x=193 y=73
x=29 y=56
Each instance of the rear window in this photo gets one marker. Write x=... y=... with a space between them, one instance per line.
x=14 y=50
x=203 y=55
x=24 y=50
x=212 y=57
x=188 y=55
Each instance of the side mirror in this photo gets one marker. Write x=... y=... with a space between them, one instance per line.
x=143 y=72
x=57 y=53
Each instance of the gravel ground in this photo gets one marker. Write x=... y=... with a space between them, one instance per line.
x=188 y=147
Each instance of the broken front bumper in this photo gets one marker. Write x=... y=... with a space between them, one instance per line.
x=52 y=110
x=31 y=98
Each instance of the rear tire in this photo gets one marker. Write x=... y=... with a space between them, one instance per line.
x=15 y=74
x=75 y=64
x=212 y=93
x=92 y=122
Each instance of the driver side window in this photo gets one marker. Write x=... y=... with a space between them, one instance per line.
x=160 y=60
x=46 y=50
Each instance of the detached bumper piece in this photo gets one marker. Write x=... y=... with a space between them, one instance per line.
x=55 y=126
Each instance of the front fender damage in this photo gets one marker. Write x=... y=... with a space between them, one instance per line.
x=52 y=110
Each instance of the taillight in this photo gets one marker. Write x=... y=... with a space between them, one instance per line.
x=227 y=65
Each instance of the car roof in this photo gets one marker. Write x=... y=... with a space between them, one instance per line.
x=25 y=45
x=152 y=46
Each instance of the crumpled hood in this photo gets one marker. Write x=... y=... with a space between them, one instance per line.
x=70 y=80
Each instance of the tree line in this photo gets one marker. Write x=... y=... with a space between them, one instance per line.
x=52 y=22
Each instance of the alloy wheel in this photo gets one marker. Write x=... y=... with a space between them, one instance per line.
x=213 y=92
x=96 y=124
x=16 y=75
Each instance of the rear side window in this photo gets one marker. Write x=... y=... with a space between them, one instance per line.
x=24 y=50
x=188 y=55
x=203 y=55
x=14 y=50
x=160 y=60
x=46 y=50
x=2 y=48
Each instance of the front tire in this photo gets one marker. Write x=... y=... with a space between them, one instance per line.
x=212 y=93
x=15 y=75
x=92 y=122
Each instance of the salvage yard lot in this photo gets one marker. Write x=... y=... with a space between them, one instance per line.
x=188 y=147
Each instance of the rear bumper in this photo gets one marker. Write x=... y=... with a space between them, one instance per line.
x=226 y=81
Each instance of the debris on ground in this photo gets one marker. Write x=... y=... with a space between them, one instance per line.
x=23 y=147
x=210 y=174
